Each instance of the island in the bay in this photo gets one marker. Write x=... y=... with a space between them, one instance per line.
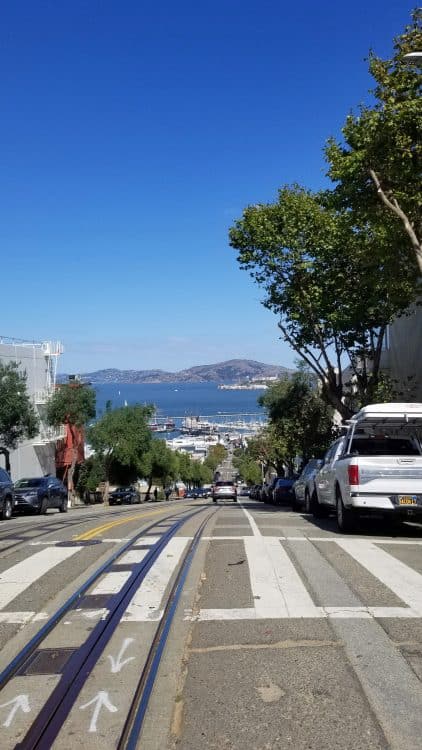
x=239 y=373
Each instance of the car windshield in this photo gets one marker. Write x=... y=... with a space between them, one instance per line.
x=23 y=483
x=224 y=484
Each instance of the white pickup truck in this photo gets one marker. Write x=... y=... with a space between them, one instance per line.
x=376 y=467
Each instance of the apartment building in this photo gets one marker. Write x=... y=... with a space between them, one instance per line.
x=39 y=360
x=402 y=355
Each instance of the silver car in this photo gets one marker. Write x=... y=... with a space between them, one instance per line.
x=224 y=491
x=304 y=486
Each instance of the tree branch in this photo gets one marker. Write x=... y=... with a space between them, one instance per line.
x=394 y=206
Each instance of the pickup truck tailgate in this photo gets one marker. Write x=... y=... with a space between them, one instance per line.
x=390 y=475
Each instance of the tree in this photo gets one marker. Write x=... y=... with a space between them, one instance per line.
x=248 y=469
x=72 y=404
x=123 y=436
x=216 y=455
x=378 y=166
x=299 y=417
x=268 y=451
x=18 y=420
x=159 y=464
x=334 y=284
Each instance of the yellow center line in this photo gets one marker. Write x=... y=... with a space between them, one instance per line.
x=106 y=526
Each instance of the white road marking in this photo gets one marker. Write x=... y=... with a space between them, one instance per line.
x=146 y=603
x=100 y=700
x=111 y=583
x=132 y=557
x=117 y=663
x=20 y=702
x=405 y=582
x=20 y=618
x=19 y=577
x=146 y=540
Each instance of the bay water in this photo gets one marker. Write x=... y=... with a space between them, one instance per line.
x=179 y=400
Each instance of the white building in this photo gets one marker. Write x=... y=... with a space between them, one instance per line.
x=402 y=355
x=39 y=360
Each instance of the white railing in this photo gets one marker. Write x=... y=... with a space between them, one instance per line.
x=50 y=434
x=43 y=395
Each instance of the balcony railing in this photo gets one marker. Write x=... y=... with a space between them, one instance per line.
x=50 y=435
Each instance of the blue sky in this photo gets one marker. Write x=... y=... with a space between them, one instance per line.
x=133 y=134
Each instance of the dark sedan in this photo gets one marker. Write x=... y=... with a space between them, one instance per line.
x=283 y=492
x=39 y=494
x=124 y=495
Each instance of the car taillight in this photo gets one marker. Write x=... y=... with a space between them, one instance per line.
x=353 y=472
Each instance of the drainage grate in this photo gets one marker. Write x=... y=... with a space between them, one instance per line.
x=47 y=661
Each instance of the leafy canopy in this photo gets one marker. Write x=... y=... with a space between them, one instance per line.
x=334 y=284
x=378 y=165
x=18 y=419
x=71 y=403
x=122 y=435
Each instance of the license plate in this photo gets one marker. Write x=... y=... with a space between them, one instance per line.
x=408 y=500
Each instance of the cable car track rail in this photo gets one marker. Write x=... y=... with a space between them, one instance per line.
x=47 y=724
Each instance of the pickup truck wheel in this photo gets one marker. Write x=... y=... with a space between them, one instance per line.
x=318 y=510
x=345 y=517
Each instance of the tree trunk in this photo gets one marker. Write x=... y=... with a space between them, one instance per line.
x=71 y=471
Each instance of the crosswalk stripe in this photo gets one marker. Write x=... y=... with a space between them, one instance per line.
x=146 y=603
x=19 y=577
x=405 y=582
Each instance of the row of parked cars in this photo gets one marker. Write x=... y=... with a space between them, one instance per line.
x=277 y=492
x=34 y=493
x=373 y=468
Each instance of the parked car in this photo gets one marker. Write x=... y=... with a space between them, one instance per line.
x=253 y=491
x=264 y=494
x=224 y=491
x=282 y=492
x=304 y=486
x=244 y=490
x=201 y=492
x=376 y=467
x=124 y=495
x=6 y=495
x=39 y=494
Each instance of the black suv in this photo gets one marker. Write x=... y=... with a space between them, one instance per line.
x=6 y=495
x=40 y=493
x=124 y=495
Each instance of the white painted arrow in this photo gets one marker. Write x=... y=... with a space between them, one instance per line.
x=117 y=664
x=101 y=699
x=20 y=702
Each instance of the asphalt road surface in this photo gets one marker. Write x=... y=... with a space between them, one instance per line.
x=279 y=633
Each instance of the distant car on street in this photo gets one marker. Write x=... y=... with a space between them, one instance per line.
x=39 y=494
x=6 y=495
x=224 y=491
x=124 y=495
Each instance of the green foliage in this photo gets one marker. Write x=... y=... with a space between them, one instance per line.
x=159 y=463
x=71 y=403
x=18 y=420
x=123 y=436
x=248 y=469
x=90 y=474
x=216 y=455
x=333 y=285
x=300 y=419
x=193 y=473
x=378 y=166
